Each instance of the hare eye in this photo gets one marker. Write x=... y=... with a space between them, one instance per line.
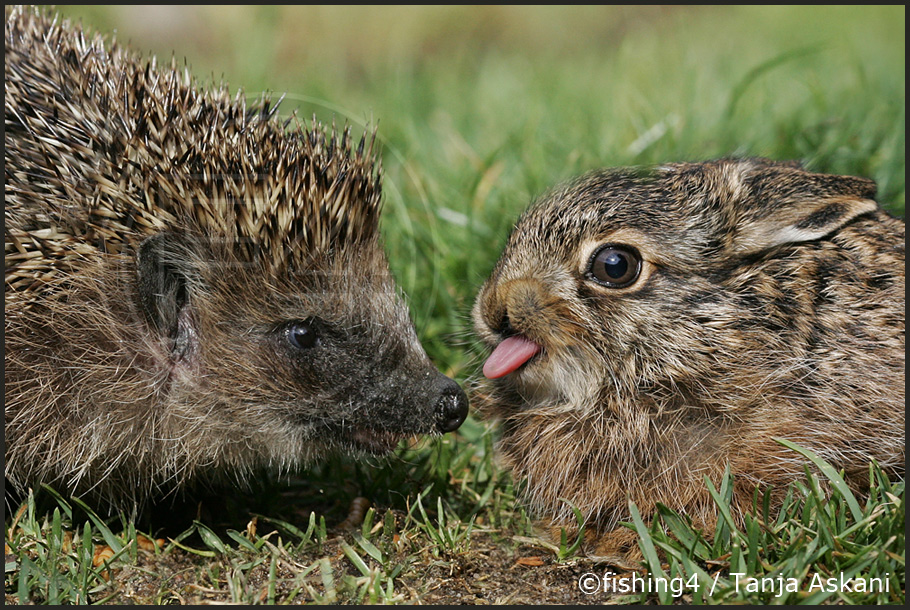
x=302 y=335
x=615 y=265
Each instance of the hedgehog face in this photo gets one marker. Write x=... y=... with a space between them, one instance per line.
x=331 y=352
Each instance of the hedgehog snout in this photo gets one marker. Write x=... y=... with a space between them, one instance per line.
x=451 y=405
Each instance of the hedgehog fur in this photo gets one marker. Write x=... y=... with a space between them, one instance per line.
x=195 y=288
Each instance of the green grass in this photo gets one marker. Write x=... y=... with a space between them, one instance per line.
x=788 y=556
x=479 y=110
x=782 y=556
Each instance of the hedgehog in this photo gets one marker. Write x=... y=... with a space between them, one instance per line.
x=196 y=289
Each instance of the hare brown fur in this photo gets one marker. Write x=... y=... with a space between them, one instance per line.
x=654 y=326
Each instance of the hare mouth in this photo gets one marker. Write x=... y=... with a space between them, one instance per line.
x=511 y=354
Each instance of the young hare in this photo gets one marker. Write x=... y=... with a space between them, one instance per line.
x=651 y=326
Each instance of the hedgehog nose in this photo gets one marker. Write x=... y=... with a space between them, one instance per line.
x=451 y=406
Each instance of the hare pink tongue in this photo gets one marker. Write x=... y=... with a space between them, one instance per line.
x=508 y=356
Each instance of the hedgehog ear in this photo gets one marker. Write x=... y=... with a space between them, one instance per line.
x=164 y=288
x=790 y=205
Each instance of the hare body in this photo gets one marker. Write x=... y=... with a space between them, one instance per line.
x=654 y=326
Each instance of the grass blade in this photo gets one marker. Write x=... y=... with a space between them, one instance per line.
x=650 y=552
x=832 y=475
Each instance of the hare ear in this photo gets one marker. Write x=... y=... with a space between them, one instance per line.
x=789 y=205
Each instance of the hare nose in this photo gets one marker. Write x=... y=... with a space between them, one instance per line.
x=513 y=307
x=504 y=327
x=525 y=302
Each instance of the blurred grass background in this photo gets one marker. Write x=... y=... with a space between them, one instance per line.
x=481 y=108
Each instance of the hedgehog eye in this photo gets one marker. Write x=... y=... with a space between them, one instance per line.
x=302 y=335
x=615 y=266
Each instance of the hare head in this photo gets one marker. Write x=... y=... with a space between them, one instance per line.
x=651 y=326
